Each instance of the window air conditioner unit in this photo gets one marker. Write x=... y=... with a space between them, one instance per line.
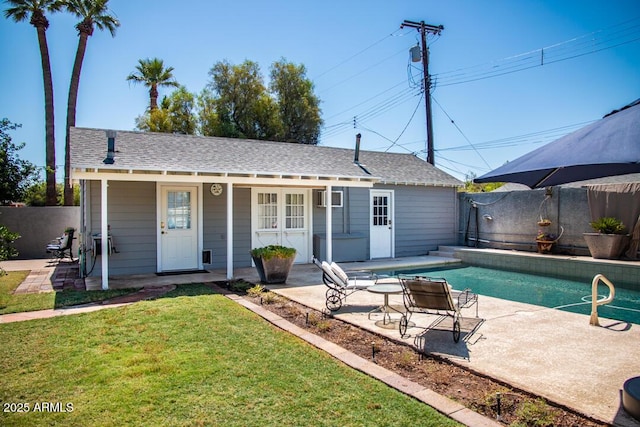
x=336 y=199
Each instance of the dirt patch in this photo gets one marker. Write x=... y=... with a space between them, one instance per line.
x=479 y=393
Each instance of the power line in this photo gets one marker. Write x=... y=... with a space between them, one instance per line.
x=590 y=43
x=614 y=36
x=408 y=123
x=525 y=139
x=462 y=133
x=357 y=54
x=353 y=76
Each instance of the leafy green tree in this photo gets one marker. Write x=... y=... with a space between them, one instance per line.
x=207 y=117
x=175 y=115
x=15 y=174
x=299 y=107
x=153 y=74
x=471 y=187
x=34 y=195
x=155 y=120
x=92 y=13
x=7 y=238
x=243 y=108
x=34 y=10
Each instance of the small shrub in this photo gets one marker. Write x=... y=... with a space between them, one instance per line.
x=239 y=285
x=319 y=322
x=255 y=291
x=292 y=311
x=7 y=238
x=406 y=359
x=323 y=325
x=608 y=225
x=270 y=297
x=271 y=251
x=534 y=414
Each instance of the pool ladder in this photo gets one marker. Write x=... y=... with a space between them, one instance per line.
x=595 y=302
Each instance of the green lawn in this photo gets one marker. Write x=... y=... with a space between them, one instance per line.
x=10 y=303
x=191 y=358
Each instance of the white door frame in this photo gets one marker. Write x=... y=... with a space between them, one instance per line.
x=279 y=235
x=160 y=188
x=374 y=235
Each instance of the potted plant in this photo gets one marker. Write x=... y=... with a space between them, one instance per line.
x=545 y=241
x=544 y=222
x=610 y=238
x=273 y=262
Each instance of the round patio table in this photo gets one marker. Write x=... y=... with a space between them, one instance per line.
x=385 y=287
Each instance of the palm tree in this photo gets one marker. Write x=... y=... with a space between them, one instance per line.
x=93 y=13
x=151 y=73
x=20 y=10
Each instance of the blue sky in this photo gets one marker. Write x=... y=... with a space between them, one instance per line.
x=493 y=98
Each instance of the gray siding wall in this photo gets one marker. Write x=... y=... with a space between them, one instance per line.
x=352 y=217
x=350 y=225
x=425 y=217
x=215 y=227
x=132 y=217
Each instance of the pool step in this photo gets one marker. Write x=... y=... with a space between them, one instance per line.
x=445 y=251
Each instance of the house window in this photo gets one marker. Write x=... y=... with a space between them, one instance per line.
x=336 y=199
x=380 y=210
x=179 y=210
x=267 y=210
x=294 y=211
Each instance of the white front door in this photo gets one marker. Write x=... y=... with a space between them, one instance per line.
x=179 y=228
x=381 y=224
x=282 y=217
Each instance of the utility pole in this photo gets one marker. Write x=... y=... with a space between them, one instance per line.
x=424 y=29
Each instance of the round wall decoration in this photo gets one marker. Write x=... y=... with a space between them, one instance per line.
x=216 y=189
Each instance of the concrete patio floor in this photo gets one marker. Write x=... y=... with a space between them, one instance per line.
x=548 y=352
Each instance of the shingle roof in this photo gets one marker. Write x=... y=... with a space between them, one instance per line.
x=187 y=153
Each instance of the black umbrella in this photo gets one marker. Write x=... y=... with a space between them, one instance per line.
x=608 y=147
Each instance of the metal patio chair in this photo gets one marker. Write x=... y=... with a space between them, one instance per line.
x=434 y=296
x=62 y=247
x=343 y=283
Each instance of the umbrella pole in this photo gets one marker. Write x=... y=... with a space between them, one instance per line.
x=540 y=183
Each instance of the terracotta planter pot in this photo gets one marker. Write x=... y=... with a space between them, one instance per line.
x=273 y=270
x=545 y=246
x=606 y=246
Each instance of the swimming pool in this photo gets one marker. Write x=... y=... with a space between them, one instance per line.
x=545 y=291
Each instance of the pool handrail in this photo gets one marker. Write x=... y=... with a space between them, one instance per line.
x=595 y=302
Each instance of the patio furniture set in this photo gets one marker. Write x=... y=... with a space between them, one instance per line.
x=423 y=295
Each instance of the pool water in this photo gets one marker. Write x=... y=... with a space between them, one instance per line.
x=544 y=291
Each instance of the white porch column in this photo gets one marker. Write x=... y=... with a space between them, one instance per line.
x=104 y=232
x=329 y=220
x=230 y=231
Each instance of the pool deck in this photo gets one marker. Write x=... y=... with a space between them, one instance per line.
x=548 y=352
